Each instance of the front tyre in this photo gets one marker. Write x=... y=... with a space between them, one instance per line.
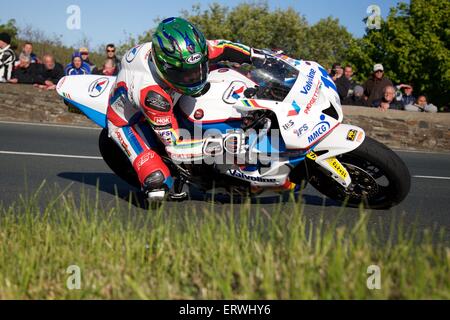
x=380 y=179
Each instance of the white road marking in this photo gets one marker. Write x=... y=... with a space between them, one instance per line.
x=50 y=155
x=48 y=125
x=421 y=152
x=431 y=177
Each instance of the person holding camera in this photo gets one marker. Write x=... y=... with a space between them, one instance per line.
x=342 y=83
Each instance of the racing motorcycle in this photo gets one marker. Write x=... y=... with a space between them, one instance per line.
x=276 y=125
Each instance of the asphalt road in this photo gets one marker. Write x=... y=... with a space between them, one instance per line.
x=69 y=157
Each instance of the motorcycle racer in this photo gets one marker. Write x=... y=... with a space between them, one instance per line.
x=153 y=77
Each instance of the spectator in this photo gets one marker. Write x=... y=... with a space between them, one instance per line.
x=85 y=56
x=374 y=87
x=388 y=100
x=342 y=83
x=407 y=98
x=421 y=105
x=356 y=99
x=77 y=66
x=109 y=68
x=348 y=73
x=26 y=72
x=50 y=72
x=111 y=54
x=28 y=50
x=7 y=57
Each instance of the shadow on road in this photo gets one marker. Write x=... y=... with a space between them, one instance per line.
x=112 y=184
x=108 y=183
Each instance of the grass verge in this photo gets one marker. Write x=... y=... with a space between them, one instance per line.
x=239 y=252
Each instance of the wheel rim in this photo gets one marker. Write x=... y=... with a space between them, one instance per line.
x=370 y=183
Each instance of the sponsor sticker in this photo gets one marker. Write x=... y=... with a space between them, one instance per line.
x=300 y=131
x=162 y=121
x=296 y=111
x=97 y=87
x=288 y=125
x=241 y=175
x=123 y=144
x=360 y=136
x=234 y=92
x=309 y=83
x=312 y=156
x=351 y=135
x=131 y=55
x=338 y=167
x=313 y=99
x=195 y=58
x=319 y=130
x=144 y=159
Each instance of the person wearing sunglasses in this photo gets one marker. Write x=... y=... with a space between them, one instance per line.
x=374 y=86
x=85 y=56
x=111 y=54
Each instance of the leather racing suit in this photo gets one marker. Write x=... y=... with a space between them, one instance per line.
x=141 y=95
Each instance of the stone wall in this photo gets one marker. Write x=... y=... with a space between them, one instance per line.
x=398 y=129
x=29 y=104
x=403 y=130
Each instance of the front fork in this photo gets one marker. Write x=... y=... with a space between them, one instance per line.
x=344 y=138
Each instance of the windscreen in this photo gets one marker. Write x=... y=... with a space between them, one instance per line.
x=274 y=77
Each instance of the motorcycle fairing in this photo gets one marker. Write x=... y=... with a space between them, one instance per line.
x=89 y=93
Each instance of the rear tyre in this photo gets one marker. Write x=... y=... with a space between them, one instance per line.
x=116 y=160
x=380 y=179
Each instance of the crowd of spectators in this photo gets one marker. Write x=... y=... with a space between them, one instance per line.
x=377 y=91
x=27 y=68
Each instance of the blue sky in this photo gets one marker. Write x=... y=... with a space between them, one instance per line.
x=109 y=21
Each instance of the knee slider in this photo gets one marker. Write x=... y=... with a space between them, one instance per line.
x=154 y=181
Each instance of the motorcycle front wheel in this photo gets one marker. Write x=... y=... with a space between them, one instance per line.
x=380 y=178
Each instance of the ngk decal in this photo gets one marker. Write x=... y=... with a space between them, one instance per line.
x=162 y=121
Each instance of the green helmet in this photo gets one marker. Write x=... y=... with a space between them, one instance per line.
x=180 y=54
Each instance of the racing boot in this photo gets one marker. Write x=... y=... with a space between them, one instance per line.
x=154 y=187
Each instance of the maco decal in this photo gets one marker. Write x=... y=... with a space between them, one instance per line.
x=319 y=130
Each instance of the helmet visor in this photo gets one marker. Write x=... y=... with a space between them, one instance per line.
x=192 y=77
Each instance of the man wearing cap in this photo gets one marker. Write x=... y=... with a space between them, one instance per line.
x=7 y=57
x=85 y=56
x=373 y=87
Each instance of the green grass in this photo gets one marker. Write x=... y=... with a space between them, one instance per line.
x=176 y=253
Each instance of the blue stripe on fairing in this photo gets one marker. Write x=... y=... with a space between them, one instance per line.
x=133 y=140
x=96 y=116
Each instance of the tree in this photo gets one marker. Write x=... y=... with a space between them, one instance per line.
x=11 y=28
x=413 y=44
x=327 y=42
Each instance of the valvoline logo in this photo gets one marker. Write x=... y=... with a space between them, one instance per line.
x=319 y=130
x=309 y=83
